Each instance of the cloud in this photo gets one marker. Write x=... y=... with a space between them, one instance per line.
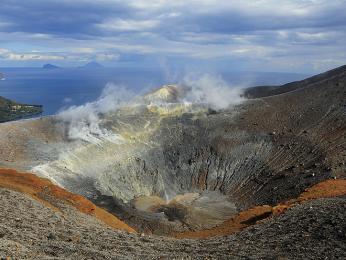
x=82 y=55
x=106 y=57
x=75 y=19
x=8 y=55
x=128 y=25
x=233 y=30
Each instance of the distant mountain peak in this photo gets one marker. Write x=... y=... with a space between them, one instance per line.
x=50 y=66
x=93 y=65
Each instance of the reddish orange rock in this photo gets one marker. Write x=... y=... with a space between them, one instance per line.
x=47 y=193
x=324 y=189
x=235 y=224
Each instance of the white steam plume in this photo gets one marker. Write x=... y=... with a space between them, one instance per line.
x=211 y=90
x=84 y=121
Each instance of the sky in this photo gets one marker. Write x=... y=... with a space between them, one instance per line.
x=303 y=36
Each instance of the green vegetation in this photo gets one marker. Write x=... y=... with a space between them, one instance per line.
x=10 y=110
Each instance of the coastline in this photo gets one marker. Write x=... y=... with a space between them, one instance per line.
x=11 y=110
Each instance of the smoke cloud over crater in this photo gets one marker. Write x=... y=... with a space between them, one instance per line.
x=84 y=122
x=211 y=90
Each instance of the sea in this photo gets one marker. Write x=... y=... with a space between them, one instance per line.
x=57 y=89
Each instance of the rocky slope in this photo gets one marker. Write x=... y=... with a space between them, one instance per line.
x=31 y=230
x=53 y=196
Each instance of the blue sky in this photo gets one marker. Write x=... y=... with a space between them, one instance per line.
x=304 y=36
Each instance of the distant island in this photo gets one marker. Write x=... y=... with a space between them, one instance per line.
x=89 y=65
x=50 y=66
x=92 y=65
x=2 y=76
x=11 y=110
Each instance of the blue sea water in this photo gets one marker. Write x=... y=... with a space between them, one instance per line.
x=59 y=88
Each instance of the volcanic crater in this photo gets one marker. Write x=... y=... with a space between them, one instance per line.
x=175 y=169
